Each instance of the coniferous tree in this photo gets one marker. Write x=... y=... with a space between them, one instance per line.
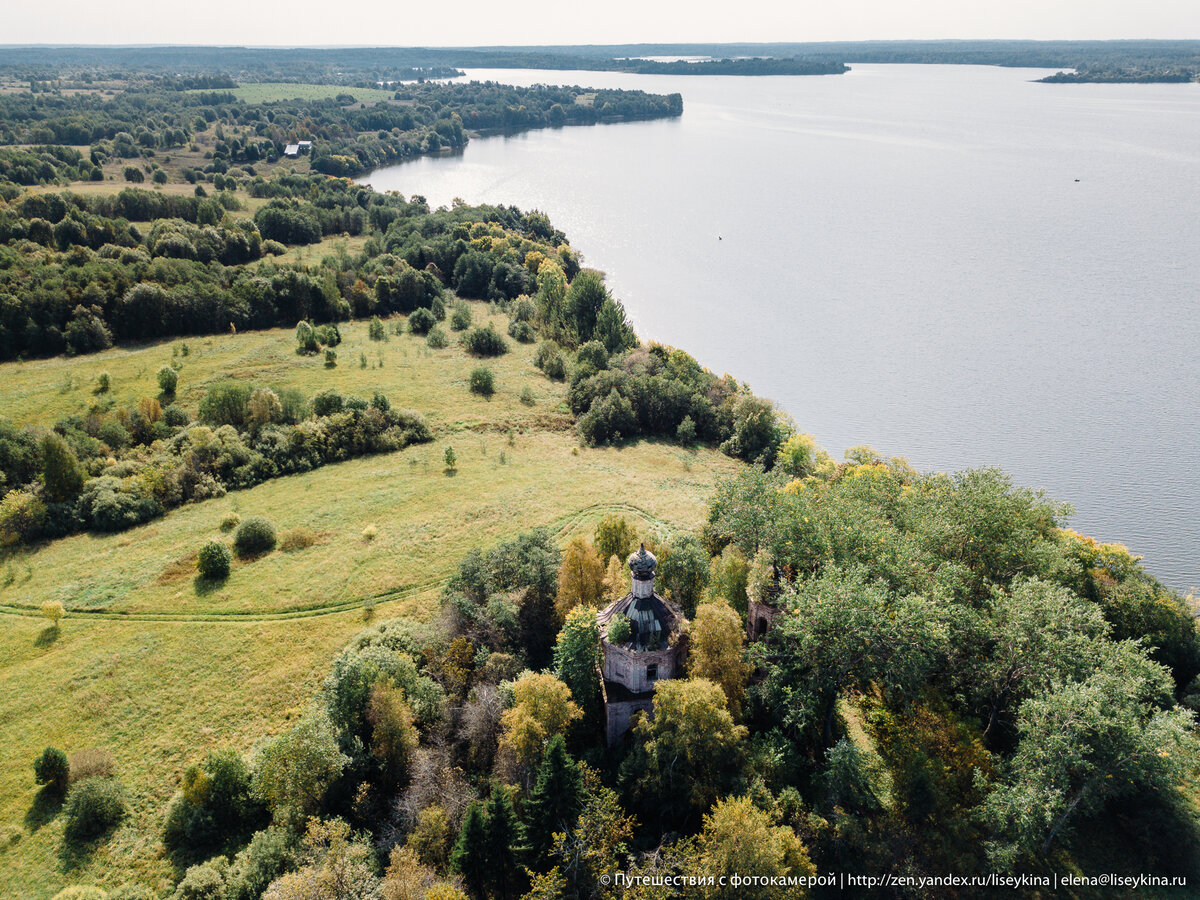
x=60 y=468
x=555 y=800
x=504 y=846
x=469 y=857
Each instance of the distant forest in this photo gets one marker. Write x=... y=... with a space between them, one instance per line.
x=1091 y=60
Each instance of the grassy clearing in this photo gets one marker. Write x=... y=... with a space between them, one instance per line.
x=272 y=91
x=160 y=670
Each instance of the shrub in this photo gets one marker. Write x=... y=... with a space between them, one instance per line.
x=686 y=432
x=168 y=380
x=93 y=807
x=545 y=350
x=523 y=332
x=527 y=395
x=297 y=538
x=213 y=561
x=370 y=533
x=22 y=516
x=451 y=459
x=362 y=360
x=103 y=383
x=230 y=522
x=306 y=339
x=273 y=248
x=619 y=630
x=485 y=341
x=460 y=319
x=555 y=367
x=330 y=358
x=176 y=416
x=437 y=339
x=375 y=330
x=53 y=770
x=225 y=403
x=329 y=335
x=328 y=403
x=483 y=382
x=254 y=536
x=94 y=762
x=421 y=321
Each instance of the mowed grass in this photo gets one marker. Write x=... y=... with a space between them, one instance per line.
x=159 y=670
x=272 y=91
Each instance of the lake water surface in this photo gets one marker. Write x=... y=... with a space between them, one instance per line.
x=952 y=264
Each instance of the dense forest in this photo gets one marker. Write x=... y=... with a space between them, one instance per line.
x=952 y=682
x=365 y=66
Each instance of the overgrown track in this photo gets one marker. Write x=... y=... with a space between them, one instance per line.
x=561 y=527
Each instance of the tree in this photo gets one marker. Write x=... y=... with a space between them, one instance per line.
x=213 y=561
x=335 y=864
x=577 y=659
x=393 y=735
x=692 y=751
x=556 y=798
x=54 y=611
x=542 y=707
x=728 y=578
x=715 y=651
x=264 y=407
x=612 y=327
x=469 y=857
x=551 y=298
x=580 y=578
x=1111 y=735
x=797 y=455
x=599 y=837
x=503 y=845
x=738 y=838
x=616 y=579
x=844 y=632
x=482 y=382
x=293 y=770
x=614 y=537
x=450 y=458
x=53 y=770
x=1027 y=639
x=585 y=297
x=683 y=572
x=168 y=381
x=61 y=472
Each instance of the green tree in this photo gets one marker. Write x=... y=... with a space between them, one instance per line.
x=469 y=858
x=294 y=769
x=504 y=844
x=556 y=798
x=683 y=572
x=585 y=297
x=577 y=658
x=614 y=537
x=450 y=458
x=1114 y=734
x=691 y=754
x=168 y=381
x=844 y=632
x=61 y=471
x=728 y=578
x=53 y=770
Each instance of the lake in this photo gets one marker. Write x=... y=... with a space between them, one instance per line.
x=951 y=264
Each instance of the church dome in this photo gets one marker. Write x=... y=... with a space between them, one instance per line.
x=643 y=564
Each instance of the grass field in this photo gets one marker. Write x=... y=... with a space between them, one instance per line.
x=271 y=91
x=159 y=671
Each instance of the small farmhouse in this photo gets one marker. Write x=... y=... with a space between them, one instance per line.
x=641 y=639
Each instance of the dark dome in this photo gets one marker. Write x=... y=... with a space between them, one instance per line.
x=643 y=563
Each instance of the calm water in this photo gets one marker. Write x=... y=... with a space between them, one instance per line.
x=903 y=257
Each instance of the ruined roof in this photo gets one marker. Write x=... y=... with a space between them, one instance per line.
x=639 y=611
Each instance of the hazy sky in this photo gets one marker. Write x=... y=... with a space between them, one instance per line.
x=474 y=22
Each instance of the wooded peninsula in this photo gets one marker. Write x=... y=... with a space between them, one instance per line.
x=356 y=549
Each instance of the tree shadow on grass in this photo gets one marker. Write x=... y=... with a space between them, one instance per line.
x=74 y=852
x=47 y=636
x=46 y=805
x=205 y=586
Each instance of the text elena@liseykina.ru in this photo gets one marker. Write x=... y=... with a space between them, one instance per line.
x=845 y=880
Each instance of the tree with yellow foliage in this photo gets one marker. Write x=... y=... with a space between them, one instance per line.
x=580 y=577
x=542 y=707
x=716 y=651
x=739 y=838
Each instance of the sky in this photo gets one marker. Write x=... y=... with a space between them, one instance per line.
x=494 y=22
